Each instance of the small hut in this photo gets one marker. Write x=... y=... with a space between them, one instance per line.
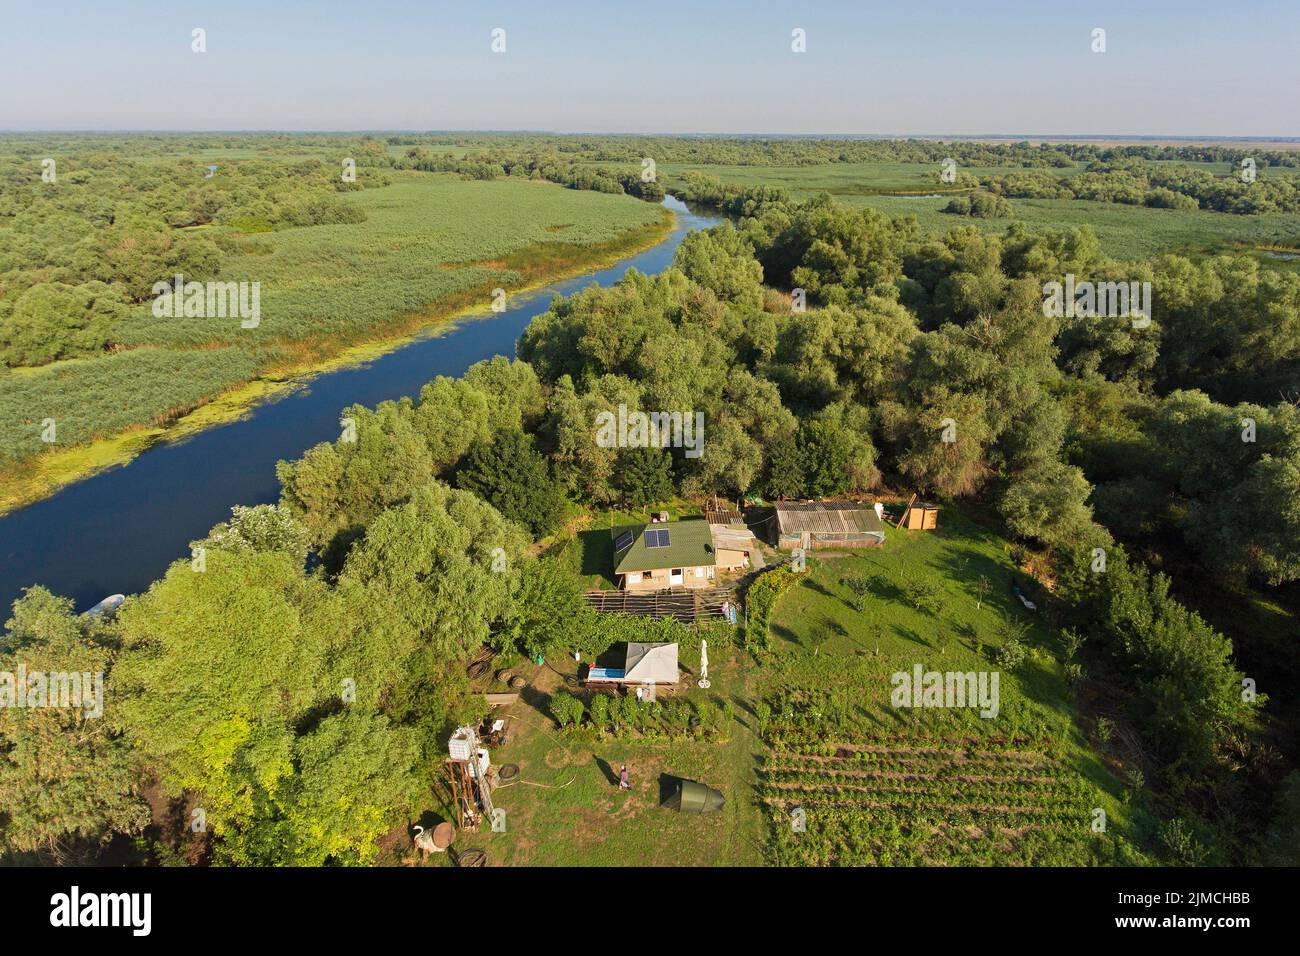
x=920 y=516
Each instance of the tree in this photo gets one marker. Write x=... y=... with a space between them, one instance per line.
x=823 y=457
x=643 y=476
x=545 y=607
x=1184 y=687
x=336 y=489
x=1049 y=503
x=509 y=474
x=434 y=575
x=784 y=469
x=259 y=528
x=217 y=671
x=355 y=781
x=722 y=260
x=68 y=782
x=55 y=321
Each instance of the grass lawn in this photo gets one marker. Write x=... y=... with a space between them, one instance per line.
x=882 y=784
x=566 y=808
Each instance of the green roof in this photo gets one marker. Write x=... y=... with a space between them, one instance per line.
x=690 y=545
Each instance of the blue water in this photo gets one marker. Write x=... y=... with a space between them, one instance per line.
x=119 y=530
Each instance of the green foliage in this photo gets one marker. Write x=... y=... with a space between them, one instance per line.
x=722 y=260
x=259 y=528
x=761 y=599
x=1048 y=503
x=1184 y=690
x=57 y=321
x=566 y=708
x=68 y=782
x=544 y=609
x=981 y=205
x=509 y=474
x=96 y=398
x=643 y=476
x=922 y=593
x=599 y=712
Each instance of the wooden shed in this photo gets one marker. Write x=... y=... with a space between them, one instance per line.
x=920 y=516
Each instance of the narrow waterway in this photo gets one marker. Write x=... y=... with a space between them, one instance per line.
x=119 y=530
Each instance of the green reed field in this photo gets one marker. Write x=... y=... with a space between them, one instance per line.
x=427 y=237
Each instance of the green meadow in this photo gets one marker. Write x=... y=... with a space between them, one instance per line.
x=1125 y=232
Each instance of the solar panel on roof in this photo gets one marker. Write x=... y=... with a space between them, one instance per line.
x=623 y=541
x=656 y=538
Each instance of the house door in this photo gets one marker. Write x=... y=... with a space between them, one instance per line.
x=675 y=576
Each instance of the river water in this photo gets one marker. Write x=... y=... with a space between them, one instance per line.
x=119 y=530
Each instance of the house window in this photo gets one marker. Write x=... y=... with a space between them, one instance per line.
x=699 y=572
x=634 y=577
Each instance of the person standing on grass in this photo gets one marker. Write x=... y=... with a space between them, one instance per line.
x=622 y=779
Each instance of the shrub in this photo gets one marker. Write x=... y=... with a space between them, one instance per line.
x=921 y=594
x=860 y=587
x=566 y=708
x=761 y=598
x=600 y=712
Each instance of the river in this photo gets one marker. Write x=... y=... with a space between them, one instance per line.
x=118 y=530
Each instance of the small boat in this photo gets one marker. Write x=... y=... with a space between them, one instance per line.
x=106 y=606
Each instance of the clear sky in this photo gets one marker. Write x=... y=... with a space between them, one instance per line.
x=1193 y=67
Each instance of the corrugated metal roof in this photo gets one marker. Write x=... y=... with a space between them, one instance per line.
x=827 y=517
x=734 y=539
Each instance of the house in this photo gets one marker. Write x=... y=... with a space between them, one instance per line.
x=828 y=524
x=645 y=664
x=671 y=554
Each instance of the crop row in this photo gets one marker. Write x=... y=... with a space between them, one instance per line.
x=820 y=774
x=906 y=762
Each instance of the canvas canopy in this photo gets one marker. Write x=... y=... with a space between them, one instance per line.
x=654 y=663
x=690 y=796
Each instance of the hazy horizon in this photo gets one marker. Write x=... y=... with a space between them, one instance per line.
x=944 y=70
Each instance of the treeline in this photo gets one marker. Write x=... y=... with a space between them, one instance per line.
x=807 y=151
x=534 y=165
x=1137 y=183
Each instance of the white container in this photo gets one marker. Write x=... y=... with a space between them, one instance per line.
x=463 y=743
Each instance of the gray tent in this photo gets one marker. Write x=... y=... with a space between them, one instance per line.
x=650 y=663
